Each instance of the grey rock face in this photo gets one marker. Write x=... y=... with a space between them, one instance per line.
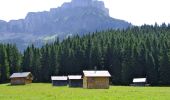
x=78 y=16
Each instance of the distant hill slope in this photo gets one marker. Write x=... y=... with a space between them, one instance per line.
x=75 y=17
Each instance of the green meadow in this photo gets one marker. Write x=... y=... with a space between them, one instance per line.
x=42 y=91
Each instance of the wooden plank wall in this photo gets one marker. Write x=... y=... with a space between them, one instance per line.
x=96 y=82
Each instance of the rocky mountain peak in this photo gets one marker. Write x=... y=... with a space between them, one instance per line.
x=75 y=17
x=87 y=3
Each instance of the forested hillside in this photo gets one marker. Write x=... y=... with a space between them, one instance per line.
x=135 y=52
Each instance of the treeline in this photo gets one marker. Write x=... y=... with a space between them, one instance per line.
x=10 y=61
x=135 y=52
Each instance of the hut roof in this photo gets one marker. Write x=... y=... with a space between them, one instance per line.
x=74 y=76
x=102 y=73
x=18 y=75
x=58 y=77
x=139 y=80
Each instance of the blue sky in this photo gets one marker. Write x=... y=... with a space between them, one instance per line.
x=137 y=12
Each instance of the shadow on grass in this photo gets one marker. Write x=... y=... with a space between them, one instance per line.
x=15 y=85
x=9 y=84
x=75 y=87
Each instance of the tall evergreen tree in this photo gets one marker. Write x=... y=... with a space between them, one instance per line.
x=164 y=68
x=4 y=65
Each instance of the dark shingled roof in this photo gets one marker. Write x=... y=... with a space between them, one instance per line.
x=22 y=74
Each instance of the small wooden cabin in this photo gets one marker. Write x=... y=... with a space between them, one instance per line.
x=75 y=81
x=139 y=82
x=21 y=78
x=96 y=79
x=59 y=80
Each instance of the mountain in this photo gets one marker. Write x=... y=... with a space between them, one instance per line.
x=75 y=17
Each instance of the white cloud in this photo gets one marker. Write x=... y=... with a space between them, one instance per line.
x=140 y=11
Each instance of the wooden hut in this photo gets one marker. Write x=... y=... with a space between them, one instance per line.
x=75 y=81
x=21 y=78
x=139 y=82
x=96 y=79
x=59 y=80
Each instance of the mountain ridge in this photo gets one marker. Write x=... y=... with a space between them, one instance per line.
x=75 y=17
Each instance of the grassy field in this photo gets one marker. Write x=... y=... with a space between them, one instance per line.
x=41 y=91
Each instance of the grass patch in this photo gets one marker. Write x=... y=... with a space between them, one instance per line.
x=44 y=91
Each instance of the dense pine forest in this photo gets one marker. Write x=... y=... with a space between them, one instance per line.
x=135 y=52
